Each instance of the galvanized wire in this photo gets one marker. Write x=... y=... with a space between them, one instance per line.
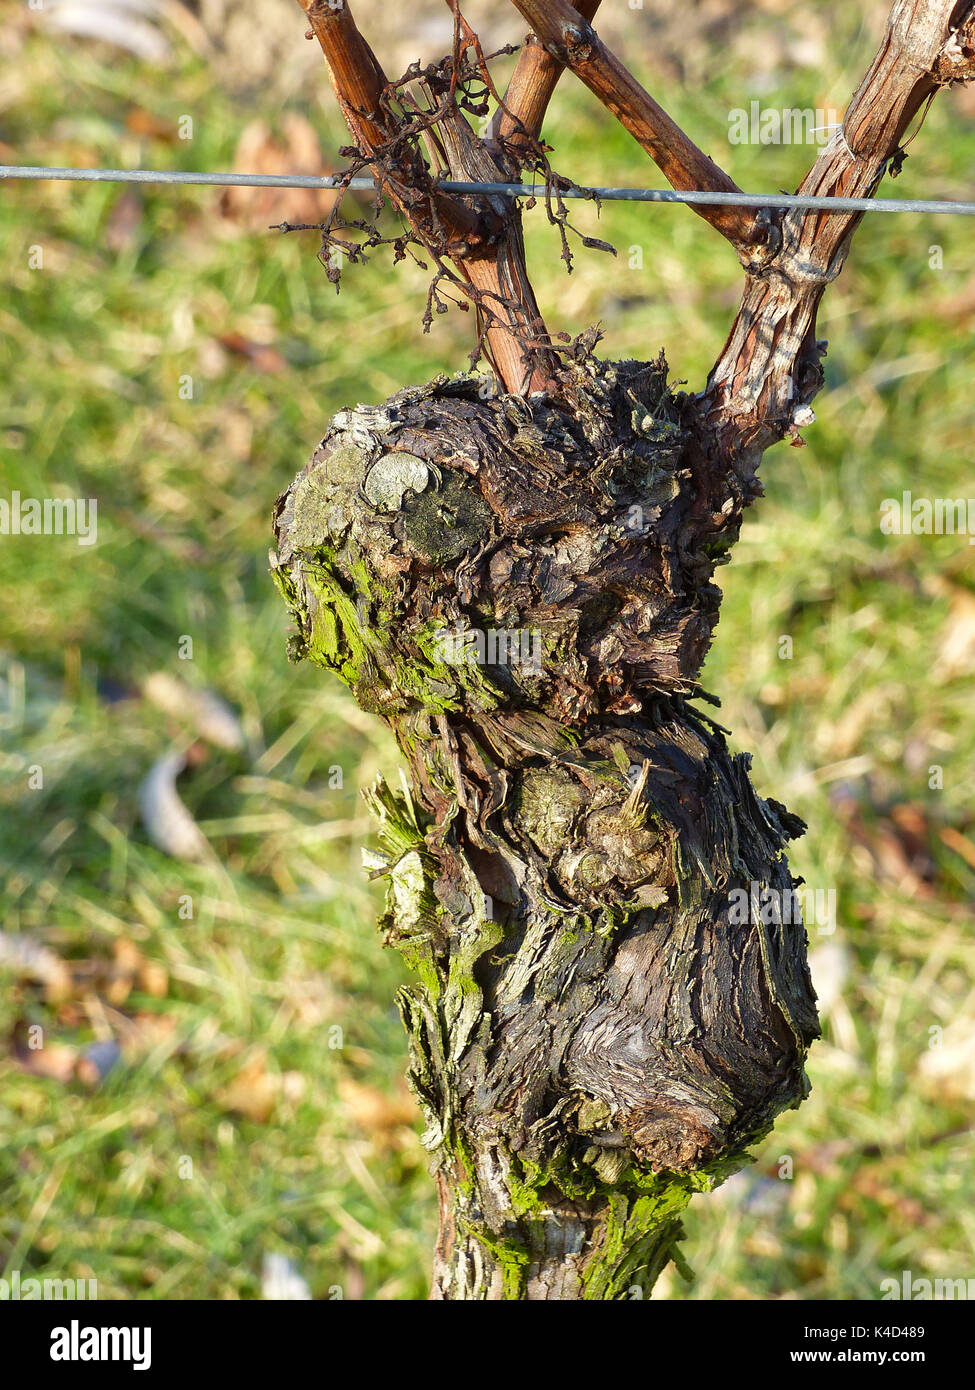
x=512 y=190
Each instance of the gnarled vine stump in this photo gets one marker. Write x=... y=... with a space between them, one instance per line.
x=523 y=592
x=522 y=587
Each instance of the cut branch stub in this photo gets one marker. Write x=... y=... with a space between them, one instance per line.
x=522 y=591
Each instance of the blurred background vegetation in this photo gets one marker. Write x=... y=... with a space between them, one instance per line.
x=220 y=1076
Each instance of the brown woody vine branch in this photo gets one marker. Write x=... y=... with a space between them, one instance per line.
x=570 y=39
x=518 y=123
x=770 y=367
x=481 y=237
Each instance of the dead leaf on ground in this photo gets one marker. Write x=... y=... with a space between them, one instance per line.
x=292 y=150
x=54 y=1060
x=206 y=712
x=127 y=24
x=168 y=822
x=898 y=839
x=956 y=644
x=132 y=969
x=139 y=121
x=24 y=956
x=262 y=356
x=253 y=1092
x=377 y=1112
x=960 y=844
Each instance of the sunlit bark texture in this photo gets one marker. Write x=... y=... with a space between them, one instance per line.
x=521 y=584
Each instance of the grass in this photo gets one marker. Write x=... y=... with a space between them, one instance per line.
x=257 y=1105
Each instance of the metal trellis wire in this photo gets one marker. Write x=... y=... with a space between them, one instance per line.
x=513 y=190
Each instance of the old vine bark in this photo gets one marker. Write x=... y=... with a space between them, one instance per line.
x=522 y=587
